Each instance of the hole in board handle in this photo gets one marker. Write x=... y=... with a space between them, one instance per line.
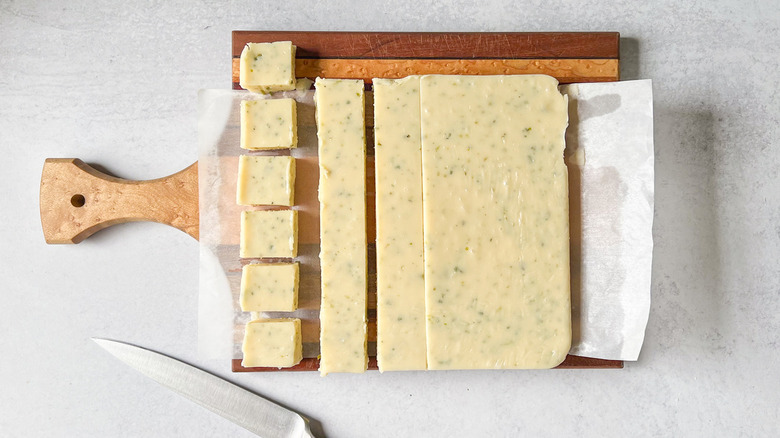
x=78 y=201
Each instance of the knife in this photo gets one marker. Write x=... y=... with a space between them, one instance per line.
x=250 y=411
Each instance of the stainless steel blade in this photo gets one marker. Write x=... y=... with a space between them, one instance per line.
x=238 y=405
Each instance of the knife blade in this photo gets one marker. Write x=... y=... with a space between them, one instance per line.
x=248 y=410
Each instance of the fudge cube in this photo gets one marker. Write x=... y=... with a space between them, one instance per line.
x=269 y=233
x=265 y=180
x=268 y=67
x=269 y=287
x=269 y=124
x=272 y=343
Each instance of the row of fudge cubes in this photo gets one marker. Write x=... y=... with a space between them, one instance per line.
x=269 y=123
x=270 y=287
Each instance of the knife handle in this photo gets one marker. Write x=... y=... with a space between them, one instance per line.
x=77 y=200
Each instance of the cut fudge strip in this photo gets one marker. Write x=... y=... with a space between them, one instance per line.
x=269 y=287
x=269 y=234
x=266 y=180
x=268 y=67
x=272 y=343
x=342 y=196
x=399 y=225
x=269 y=124
x=496 y=224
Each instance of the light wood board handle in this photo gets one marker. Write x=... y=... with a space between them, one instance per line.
x=78 y=200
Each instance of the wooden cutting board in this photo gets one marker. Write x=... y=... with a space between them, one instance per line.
x=570 y=57
x=76 y=200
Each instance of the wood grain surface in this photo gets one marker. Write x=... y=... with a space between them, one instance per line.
x=570 y=57
x=567 y=56
x=565 y=70
x=77 y=200
x=432 y=45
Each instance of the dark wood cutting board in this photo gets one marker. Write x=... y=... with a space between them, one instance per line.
x=568 y=56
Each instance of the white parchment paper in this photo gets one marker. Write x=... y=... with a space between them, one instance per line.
x=220 y=319
x=610 y=160
x=609 y=146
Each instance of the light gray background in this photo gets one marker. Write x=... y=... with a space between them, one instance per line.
x=115 y=83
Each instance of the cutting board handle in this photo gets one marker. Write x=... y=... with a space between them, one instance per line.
x=78 y=200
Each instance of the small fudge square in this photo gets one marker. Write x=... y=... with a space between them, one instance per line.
x=269 y=124
x=267 y=67
x=272 y=343
x=269 y=233
x=269 y=287
x=265 y=180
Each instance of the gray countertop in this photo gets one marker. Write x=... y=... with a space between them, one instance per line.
x=116 y=84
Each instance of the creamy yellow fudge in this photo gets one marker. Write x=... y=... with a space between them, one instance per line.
x=267 y=67
x=272 y=343
x=269 y=287
x=269 y=233
x=342 y=196
x=399 y=225
x=266 y=180
x=269 y=124
x=496 y=230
